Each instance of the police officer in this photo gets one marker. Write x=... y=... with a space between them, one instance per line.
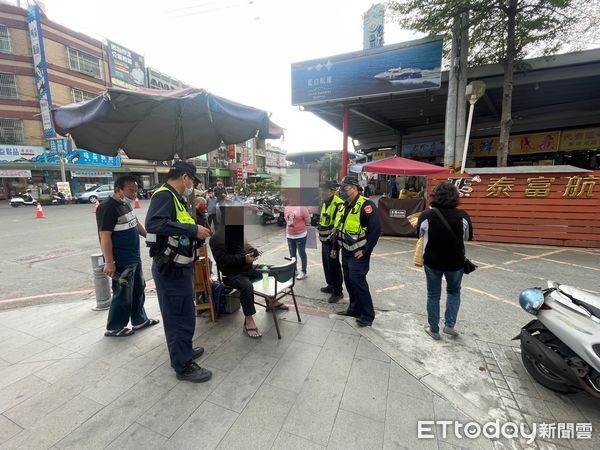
x=357 y=232
x=173 y=236
x=331 y=266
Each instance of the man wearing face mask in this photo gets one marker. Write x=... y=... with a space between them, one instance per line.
x=119 y=232
x=357 y=232
x=173 y=236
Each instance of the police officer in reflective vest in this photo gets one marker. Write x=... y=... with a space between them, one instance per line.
x=173 y=237
x=331 y=266
x=357 y=232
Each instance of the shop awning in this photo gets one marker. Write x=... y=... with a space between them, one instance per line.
x=219 y=172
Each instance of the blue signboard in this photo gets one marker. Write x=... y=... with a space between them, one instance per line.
x=60 y=145
x=423 y=150
x=373 y=24
x=77 y=157
x=41 y=72
x=409 y=66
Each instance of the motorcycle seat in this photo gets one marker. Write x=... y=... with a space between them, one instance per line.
x=582 y=298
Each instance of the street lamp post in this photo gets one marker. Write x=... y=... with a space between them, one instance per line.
x=475 y=90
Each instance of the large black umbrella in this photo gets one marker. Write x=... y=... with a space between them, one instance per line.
x=156 y=125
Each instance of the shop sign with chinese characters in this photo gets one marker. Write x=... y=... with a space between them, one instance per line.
x=576 y=186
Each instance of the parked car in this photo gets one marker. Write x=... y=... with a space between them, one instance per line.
x=147 y=192
x=98 y=192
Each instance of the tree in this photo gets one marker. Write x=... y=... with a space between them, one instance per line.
x=505 y=32
x=330 y=165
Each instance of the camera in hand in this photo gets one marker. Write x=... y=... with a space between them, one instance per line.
x=252 y=252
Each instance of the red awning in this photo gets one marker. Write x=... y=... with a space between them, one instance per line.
x=397 y=165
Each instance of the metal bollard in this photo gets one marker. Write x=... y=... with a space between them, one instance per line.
x=101 y=284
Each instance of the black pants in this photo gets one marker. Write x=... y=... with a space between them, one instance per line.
x=211 y=220
x=175 y=291
x=355 y=277
x=332 y=268
x=243 y=283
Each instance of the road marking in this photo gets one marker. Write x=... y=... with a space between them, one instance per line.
x=56 y=294
x=571 y=264
x=391 y=288
x=275 y=249
x=376 y=255
x=488 y=247
x=542 y=256
x=493 y=297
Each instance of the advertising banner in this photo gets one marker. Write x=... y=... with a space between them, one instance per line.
x=58 y=148
x=127 y=69
x=15 y=173
x=373 y=25
x=520 y=144
x=158 y=80
x=423 y=150
x=405 y=67
x=41 y=72
x=580 y=139
x=64 y=187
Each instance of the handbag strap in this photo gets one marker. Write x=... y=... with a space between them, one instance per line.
x=447 y=225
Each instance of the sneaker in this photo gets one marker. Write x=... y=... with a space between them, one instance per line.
x=301 y=276
x=433 y=334
x=334 y=298
x=327 y=290
x=450 y=331
x=195 y=374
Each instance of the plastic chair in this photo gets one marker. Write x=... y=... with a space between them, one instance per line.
x=281 y=283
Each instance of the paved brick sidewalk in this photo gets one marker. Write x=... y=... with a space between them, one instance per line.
x=64 y=385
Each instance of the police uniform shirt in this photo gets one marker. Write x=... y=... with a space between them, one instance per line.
x=368 y=220
x=162 y=217
x=118 y=217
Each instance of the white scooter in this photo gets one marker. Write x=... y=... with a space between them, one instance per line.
x=561 y=348
x=22 y=200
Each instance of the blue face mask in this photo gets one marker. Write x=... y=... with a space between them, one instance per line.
x=344 y=195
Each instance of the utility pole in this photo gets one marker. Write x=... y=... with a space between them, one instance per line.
x=461 y=101
x=450 y=129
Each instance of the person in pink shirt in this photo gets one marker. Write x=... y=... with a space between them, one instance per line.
x=296 y=219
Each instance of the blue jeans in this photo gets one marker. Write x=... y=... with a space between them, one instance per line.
x=300 y=246
x=434 y=292
x=127 y=299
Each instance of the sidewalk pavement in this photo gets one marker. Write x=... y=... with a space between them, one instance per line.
x=326 y=384
x=323 y=385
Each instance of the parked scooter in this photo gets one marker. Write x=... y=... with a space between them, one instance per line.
x=22 y=200
x=561 y=348
x=58 y=198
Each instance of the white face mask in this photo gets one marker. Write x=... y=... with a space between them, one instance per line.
x=130 y=202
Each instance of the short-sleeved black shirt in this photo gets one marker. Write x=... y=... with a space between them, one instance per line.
x=118 y=217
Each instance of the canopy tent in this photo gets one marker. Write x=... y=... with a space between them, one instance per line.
x=396 y=165
x=157 y=125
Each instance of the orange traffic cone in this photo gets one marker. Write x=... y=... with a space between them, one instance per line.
x=96 y=207
x=137 y=203
x=39 y=212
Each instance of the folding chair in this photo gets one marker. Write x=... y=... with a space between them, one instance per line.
x=203 y=283
x=281 y=283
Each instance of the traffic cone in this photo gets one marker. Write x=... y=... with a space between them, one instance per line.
x=96 y=208
x=137 y=203
x=39 y=212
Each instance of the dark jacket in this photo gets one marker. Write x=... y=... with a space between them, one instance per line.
x=442 y=251
x=229 y=254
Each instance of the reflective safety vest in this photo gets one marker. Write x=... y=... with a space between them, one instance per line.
x=351 y=234
x=327 y=218
x=179 y=249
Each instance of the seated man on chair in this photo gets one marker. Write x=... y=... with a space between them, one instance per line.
x=234 y=260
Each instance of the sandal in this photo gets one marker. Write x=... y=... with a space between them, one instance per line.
x=280 y=306
x=123 y=332
x=251 y=329
x=147 y=323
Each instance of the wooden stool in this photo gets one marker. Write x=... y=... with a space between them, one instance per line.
x=203 y=283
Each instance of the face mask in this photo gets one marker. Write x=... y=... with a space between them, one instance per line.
x=188 y=191
x=344 y=195
x=129 y=201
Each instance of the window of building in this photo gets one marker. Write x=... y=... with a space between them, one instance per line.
x=11 y=132
x=8 y=85
x=84 y=63
x=81 y=96
x=4 y=40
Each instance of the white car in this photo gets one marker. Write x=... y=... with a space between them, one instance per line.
x=99 y=192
